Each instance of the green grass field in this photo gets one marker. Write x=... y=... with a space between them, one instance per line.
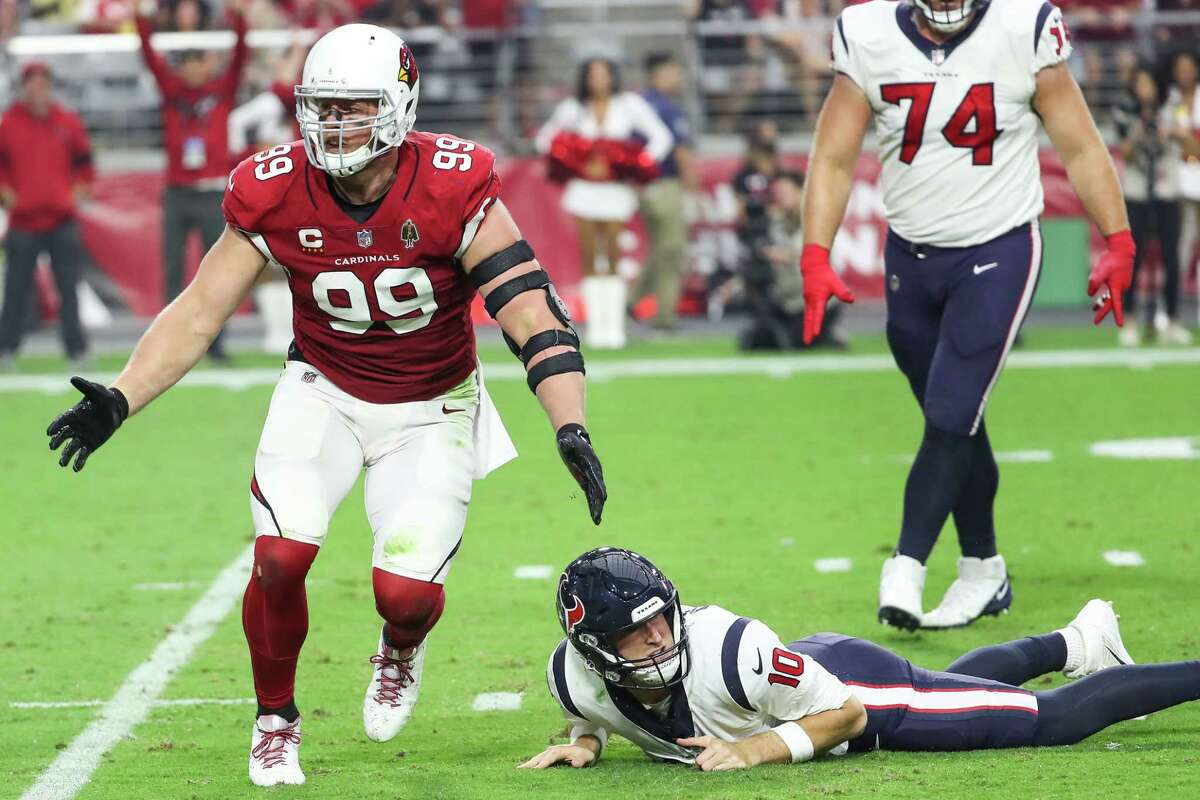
x=733 y=484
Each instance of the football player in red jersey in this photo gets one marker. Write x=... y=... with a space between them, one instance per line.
x=385 y=233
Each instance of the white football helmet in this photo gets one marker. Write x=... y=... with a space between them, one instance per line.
x=949 y=20
x=357 y=62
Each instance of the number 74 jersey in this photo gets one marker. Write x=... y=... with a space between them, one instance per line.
x=955 y=121
x=382 y=306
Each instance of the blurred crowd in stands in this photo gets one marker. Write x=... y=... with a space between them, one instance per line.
x=518 y=73
x=751 y=58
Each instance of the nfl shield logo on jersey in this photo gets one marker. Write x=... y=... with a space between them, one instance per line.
x=365 y=239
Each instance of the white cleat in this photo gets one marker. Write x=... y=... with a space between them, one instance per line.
x=981 y=589
x=392 y=692
x=900 y=586
x=1128 y=335
x=275 y=752
x=1100 y=635
x=1175 y=333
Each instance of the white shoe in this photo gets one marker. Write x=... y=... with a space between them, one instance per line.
x=1099 y=641
x=392 y=692
x=275 y=751
x=1128 y=335
x=1175 y=333
x=981 y=589
x=900 y=586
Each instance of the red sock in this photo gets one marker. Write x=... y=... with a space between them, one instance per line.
x=275 y=616
x=409 y=607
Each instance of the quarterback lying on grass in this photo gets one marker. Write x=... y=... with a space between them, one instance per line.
x=700 y=685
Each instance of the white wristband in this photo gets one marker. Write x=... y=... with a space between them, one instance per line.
x=797 y=741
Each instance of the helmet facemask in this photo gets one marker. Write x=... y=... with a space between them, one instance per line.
x=387 y=128
x=950 y=20
x=657 y=671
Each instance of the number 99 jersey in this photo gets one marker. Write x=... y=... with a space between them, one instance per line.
x=381 y=307
x=955 y=121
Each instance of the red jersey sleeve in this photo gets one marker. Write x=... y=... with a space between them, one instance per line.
x=484 y=191
x=462 y=180
x=258 y=185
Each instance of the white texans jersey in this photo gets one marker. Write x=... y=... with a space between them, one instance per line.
x=743 y=681
x=955 y=121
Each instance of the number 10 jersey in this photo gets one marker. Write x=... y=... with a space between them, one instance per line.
x=380 y=307
x=955 y=121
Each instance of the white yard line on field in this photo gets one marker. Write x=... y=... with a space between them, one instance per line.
x=129 y=706
x=1124 y=558
x=497 y=701
x=833 y=564
x=533 y=572
x=773 y=366
x=1025 y=457
x=167 y=586
x=184 y=701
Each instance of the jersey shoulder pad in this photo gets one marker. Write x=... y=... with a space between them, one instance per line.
x=259 y=185
x=859 y=24
x=568 y=679
x=457 y=177
x=452 y=169
x=1035 y=31
x=707 y=626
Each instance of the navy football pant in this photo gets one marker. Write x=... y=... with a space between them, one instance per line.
x=910 y=708
x=953 y=314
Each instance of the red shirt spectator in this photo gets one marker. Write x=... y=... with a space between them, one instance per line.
x=45 y=155
x=487 y=14
x=1100 y=20
x=195 y=108
x=323 y=14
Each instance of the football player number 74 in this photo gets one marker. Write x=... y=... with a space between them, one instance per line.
x=977 y=107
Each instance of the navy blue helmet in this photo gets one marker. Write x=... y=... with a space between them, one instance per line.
x=608 y=591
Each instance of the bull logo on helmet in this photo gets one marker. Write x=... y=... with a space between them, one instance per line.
x=572 y=612
x=408 y=67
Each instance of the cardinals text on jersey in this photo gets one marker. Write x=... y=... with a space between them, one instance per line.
x=955 y=122
x=743 y=681
x=381 y=307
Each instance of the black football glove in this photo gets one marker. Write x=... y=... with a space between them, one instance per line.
x=87 y=424
x=575 y=447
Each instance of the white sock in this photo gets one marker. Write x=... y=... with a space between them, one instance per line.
x=614 y=306
x=1074 y=648
x=592 y=289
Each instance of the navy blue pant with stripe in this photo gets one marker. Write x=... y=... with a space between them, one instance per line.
x=952 y=316
x=964 y=708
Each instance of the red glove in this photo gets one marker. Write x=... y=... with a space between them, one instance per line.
x=1114 y=273
x=820 y=283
